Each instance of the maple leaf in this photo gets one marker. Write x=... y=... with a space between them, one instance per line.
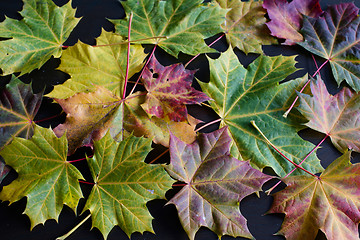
x=138 y=122
x=175 y=26
x=18 y=107
x=45 y=177
x=123 y=185
x=89 y=116
x=168 y=90
x=286 y=18
x=102 y=65
x=254 y=94
x=334 y=36
x=215 y=184
x=31 y=41
x=330 y=203
x=245 y=25
x=336 y=116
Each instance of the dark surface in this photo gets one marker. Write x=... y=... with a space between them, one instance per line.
x=15 y=226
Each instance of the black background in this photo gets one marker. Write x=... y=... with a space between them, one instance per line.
x=14 y=225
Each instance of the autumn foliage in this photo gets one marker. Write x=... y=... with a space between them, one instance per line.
x=260 y=116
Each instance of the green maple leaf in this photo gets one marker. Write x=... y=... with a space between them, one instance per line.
x=335 y=37
x=31 y=41
x=18 y=107
x=215 y=184
x=45 y=177
x=102 y=65
x=337 y=116
x=330 y=203
x=254 y=94
x=180 y=25
x=245 y=25
x=123 y=185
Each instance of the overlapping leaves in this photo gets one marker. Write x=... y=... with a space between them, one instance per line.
x=242 y=95
x=123 y=185
x=335 y=37
x=286 y=18
x=337 y=116
x=18 y=107
x=215 y=184
x=31 y=41
x=91 y=66
x=245 y=25
x=45 y=177
x=330 y=203
x=175 y=26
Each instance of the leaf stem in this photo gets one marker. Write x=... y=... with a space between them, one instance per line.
x=216 y=40
x=162 y=154
x=127 y=57
x=273 y=146
x=268 y=192
x=78 y=160
x=302 y=89
x=208 y=124
x=45 y=119
x=142 y=72
x=89 y=183
x=74 y=229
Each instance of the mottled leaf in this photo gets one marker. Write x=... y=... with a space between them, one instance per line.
x=254 y=94
x=335 y=37
x=139 y=123
x=31 y=41
x=287 y=17
x=123 y=185
x=180 y=26
x=330 y=203
x=45 y=177
x=338 y=116
x=89 y=116
x=245 y=25
x=168 y=90
x=215 y=184
x=18 y=107
x=103 y=65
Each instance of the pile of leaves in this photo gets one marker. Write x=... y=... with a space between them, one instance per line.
x=259 y=117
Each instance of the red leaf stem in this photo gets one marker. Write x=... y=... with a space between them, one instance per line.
x=142 y=72
x=45 y=119
x=162 y=154
x=275 y=148
x=216 y=40
x=127 y=57
x=302 y=89
x=268 y=192
x=208 y=124
x=78 y=160
x=89 y=183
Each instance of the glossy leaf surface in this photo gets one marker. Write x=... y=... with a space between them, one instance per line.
x=31 y=41
x=18 y=107
x=330 y=204
x=168 y=90
x=254 y=94
x=45 y=177
x=181 y=26
x=215 y=184
x=338 y=115
x=123 y=185
x=335 y=37
x=286 y=17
